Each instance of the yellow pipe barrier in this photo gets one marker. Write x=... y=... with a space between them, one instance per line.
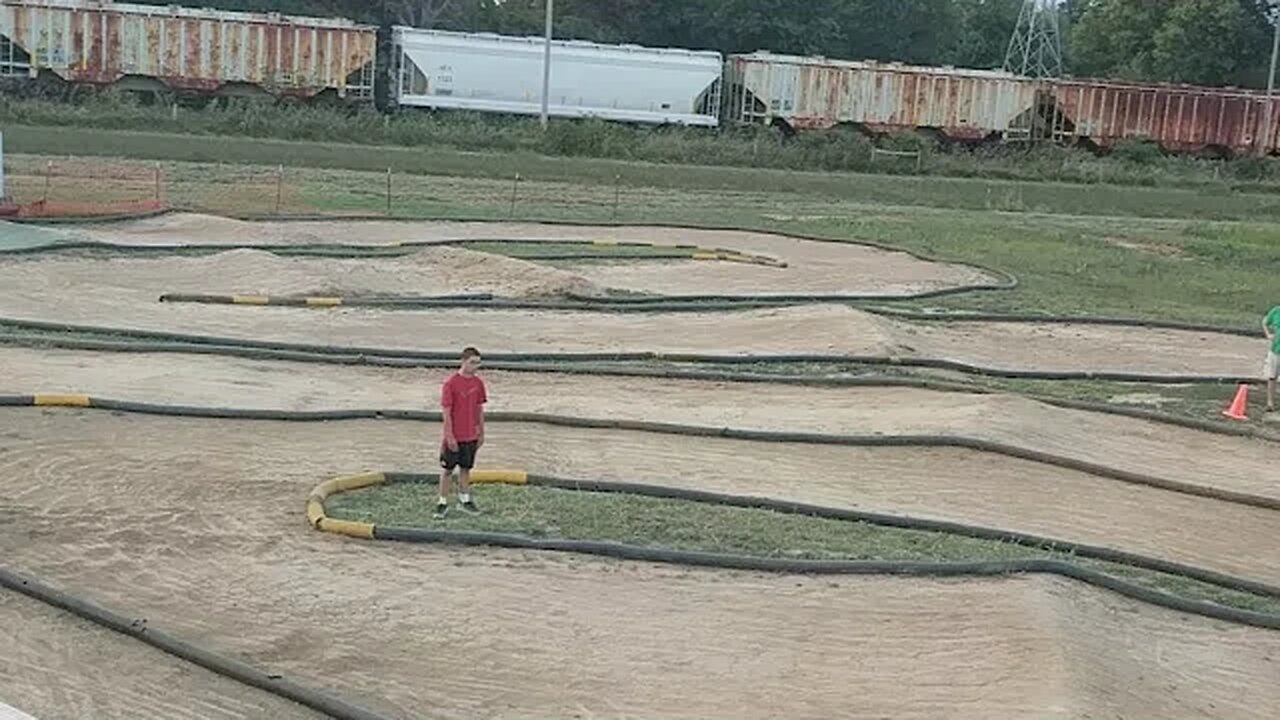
x=361 y=530
x=503 y=477
x=61 y=400
x=347 y=482
x=315 y=511
x=250 y=299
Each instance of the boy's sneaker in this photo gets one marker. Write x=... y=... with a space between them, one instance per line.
x=470 y=506
x=442 y=510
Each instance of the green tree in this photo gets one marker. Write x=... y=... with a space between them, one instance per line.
x=1116 y=38
x=1212 y=42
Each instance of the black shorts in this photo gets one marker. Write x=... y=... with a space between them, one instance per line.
x=464 y=457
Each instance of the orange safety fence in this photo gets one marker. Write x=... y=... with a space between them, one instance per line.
x=81 y=187
x=68 y=208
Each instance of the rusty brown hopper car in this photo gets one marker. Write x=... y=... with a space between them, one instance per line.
x=813 y=92
x=186 y=49
x=1178 y=117
x=966 y=104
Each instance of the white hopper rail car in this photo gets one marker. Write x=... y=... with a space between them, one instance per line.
x=484 y=72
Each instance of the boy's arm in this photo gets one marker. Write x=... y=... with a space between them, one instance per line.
x=446 y=403
x=484 y=398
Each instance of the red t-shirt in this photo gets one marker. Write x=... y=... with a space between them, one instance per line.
x=461 y=396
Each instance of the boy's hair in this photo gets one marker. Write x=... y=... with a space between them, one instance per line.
x=470 y=352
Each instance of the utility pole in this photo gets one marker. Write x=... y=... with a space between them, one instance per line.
x=1264 y=147
x=546 y=64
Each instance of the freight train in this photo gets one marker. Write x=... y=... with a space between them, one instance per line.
x=210 y=52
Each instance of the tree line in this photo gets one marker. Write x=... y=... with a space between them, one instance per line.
x=1211 y=42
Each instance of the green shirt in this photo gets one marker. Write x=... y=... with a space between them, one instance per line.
x=1273 y=322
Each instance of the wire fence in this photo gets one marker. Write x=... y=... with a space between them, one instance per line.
x=94 y=187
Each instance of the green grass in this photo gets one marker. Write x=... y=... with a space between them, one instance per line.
x=604 y=175
x=685 y=525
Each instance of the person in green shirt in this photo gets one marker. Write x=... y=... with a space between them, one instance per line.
x=1271 y=326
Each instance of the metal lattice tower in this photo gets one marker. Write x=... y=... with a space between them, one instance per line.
x=1036 y=47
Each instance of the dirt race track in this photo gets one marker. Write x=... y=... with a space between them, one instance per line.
x=197 y=524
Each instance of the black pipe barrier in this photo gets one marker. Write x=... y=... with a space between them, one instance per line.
x=637 y=356
x=348 y=251
x=845 y=440
x=140 y=629
x=868 y=380
x=831 y=567
x=656 y=251
x=722 y=303
x=478 y=300
x=668 y=304
x=905 y=522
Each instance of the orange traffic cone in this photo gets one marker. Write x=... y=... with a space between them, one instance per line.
x=1240 y=405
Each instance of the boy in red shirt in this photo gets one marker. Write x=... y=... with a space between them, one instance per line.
x=462 y=399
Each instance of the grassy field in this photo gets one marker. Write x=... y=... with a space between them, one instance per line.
x=258 y=158
x=684 y=525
